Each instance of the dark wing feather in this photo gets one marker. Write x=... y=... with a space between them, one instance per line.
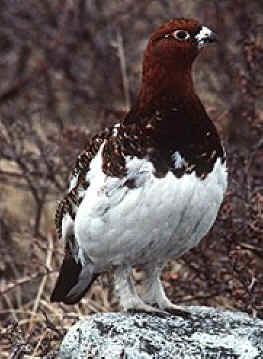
x=72 y=199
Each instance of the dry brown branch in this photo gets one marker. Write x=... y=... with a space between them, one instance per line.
x=42 y=283
x=118 y=44
x=21 y=281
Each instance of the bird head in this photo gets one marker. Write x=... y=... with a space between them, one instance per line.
x=168 y=59
x=179 y=41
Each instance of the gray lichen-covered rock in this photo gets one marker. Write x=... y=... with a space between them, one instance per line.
x=209 y=334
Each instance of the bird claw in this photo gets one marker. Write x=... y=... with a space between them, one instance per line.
x=178 y=312
x=153 y=312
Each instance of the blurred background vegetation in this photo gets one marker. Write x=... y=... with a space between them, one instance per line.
x=71 y=67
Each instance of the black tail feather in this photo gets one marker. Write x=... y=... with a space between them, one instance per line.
x=68 y=277
x=73 y=281
x=85 y=280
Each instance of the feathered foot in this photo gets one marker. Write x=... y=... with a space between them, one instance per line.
x=128 y=297
x=153 y=294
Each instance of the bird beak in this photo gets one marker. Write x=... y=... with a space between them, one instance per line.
x=205 y=37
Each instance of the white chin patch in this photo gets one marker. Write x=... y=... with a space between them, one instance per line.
x=202 y=36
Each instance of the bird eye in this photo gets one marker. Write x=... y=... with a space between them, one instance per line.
x=181 y=35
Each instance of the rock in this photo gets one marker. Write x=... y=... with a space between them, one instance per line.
x=208 y=334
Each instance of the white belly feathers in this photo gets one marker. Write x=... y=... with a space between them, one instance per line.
x=160 y=218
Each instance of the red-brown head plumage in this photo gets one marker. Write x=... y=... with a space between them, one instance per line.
x=167 y=48
x=168 y=60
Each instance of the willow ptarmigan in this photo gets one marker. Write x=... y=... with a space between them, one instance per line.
x=149 y=188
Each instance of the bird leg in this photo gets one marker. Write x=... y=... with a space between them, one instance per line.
x=128 y=297
x=154 y=294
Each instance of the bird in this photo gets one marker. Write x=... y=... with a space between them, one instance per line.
x=148 y=188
